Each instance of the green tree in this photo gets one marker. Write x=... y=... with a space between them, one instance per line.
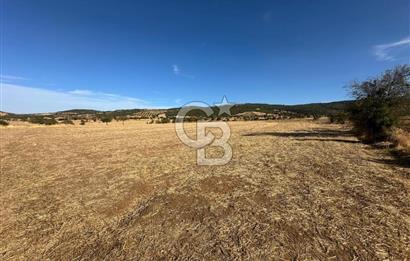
x=106 y=119
x=378 y=100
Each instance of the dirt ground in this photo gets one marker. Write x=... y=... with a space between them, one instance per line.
x=295 y=190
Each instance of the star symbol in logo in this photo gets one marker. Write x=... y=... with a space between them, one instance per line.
x=224 y=106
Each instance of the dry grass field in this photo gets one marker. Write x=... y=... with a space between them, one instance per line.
x=297 y=190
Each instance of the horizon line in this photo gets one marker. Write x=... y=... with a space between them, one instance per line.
x=170 y=108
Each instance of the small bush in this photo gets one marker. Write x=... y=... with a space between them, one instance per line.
x=339 y=118
x=106 y=119
x=67 y=121
x=3 y=122
x=162 y=120
x=82 y=122
x=372 y=120
x=43 y=120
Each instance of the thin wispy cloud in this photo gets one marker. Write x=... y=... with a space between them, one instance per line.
x=177 y=71
x=392 y=51
x=25 y=99
x=81 y=92
x=7 y=78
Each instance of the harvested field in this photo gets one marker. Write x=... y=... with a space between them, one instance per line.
x=293 y=190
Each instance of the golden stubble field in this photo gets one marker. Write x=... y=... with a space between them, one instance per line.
x=293 y=190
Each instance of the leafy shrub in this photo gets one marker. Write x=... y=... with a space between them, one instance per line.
x=372 y=120
x=374 y=113
x=43 y=120
x=339 y=118
x=82 y=122
x=67 y=121
x=3 y=122
x=106 y=119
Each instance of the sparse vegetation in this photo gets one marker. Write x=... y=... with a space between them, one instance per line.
x=121 y=118
x=42 y=120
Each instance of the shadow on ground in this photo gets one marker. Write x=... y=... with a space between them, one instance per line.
x=335 y=140
x=398 y=158
x=314 y=135
x=323 y=133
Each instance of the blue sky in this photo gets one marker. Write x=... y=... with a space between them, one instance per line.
x=106 y=55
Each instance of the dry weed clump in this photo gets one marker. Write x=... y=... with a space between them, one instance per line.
x=401 y=139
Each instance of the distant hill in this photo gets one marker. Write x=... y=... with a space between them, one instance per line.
x=297 y=110
x=301 y=110
x=305 y=109
x=78 y=111
x=274 y=110
x=95 y=112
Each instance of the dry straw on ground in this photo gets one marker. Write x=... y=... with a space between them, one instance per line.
x=293 y=190
x=401 y=139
